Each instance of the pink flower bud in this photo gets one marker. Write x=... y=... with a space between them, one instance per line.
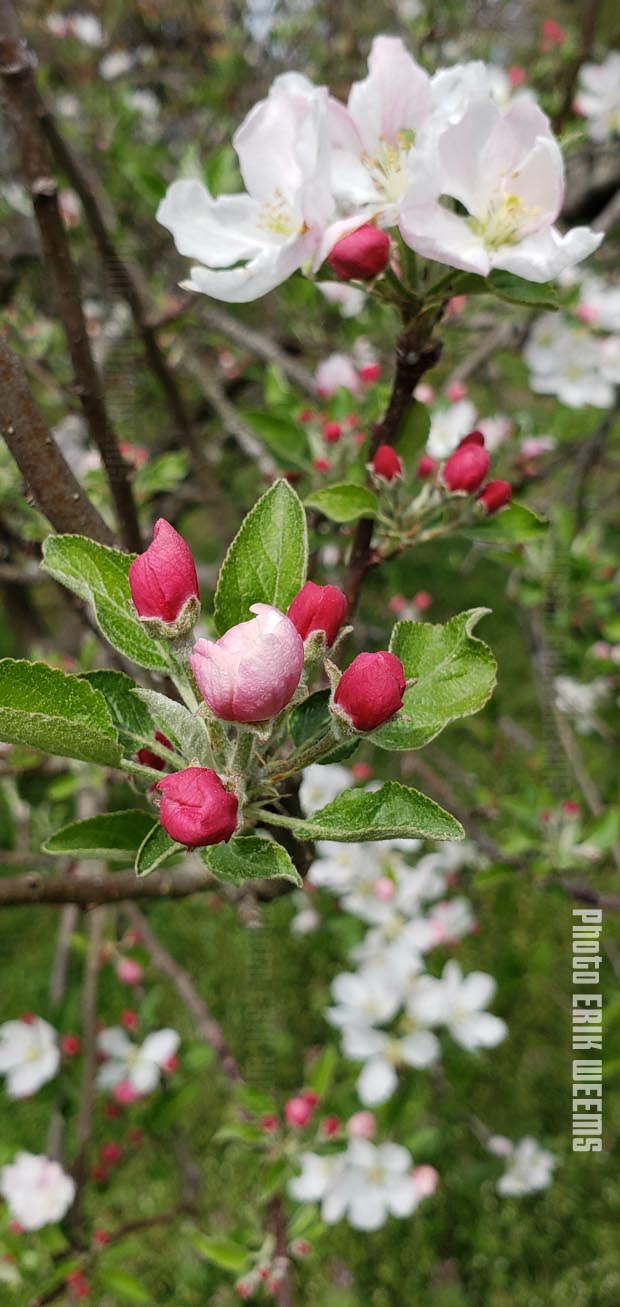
x=456 y=391
x=163 y=582
x=195 y=808
x=332 y=432
x=587 y=313
x=269 y=1123
x=129 y=972
x=319 y=608
x=426 y=1179
x=552 y=34
x=360 y=255
x=321 y=465
x=496 y=495
x=516 y=74
x=330 y=1126
x=361 y=1125
x=297 y=1111
x=426 y=467
x=111 y=1154
x=369 y=373
x=424 y=393
x=422 y=600
x=149 y=759
x=467 y=467
x=252 y=672
x=371 y=690
x=70 y=1045
x=362 y=771
x=125 y=1093
x=386 y=463
x=129 y=1019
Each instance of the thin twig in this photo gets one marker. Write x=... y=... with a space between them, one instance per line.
x=234 y=424
x=257 y=343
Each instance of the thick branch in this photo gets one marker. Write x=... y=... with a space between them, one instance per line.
x=16 y=69
x=100 y=887
x=49 y=478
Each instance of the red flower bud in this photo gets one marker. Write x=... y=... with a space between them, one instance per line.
x=321 y=465
x=70 y=1045
x=474 y=438
x=426 y=467
x=361 y=254
x=319 y=608
x=332 y=432
x=297 y=1111
x=467 y=467
x=422 y=600
x=195 y=808
x=386 y=463
x=369 y=373
x=496 y=495
x=111 y=1154
x=371 y=690
x=149 y=759
x=163 y=582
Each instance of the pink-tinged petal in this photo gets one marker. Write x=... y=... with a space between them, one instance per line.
x=394 y=97
x=214 y=671
x=437 y=234
x=546 y=254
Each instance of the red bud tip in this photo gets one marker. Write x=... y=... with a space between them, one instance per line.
x=371 y=689
x=386 y=463
x=361 y=255
x=496 y=495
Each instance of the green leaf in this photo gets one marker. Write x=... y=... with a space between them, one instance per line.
x=284 y=437
x=185 y=731
x=99 y=575
x=225 y=1253
x=115 y=836
x=413 y=434
x=393 y=812
x=455 y=674
x=48 y=709
x=154 y=849
x=131 y=718
x=344 y=503
x=511 y=525
x=515 y=290
x=126 y=1285
x=311 y=719
x=267 y=560
x=248 y=857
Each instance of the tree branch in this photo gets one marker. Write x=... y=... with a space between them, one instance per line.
x=97 y=886
x=257 y=343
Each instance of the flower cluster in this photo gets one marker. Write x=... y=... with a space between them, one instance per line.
x=365 y=1183
x=465 y=182
x=529 y=1168
x=598 y=97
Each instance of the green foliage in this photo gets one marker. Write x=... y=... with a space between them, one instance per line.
x=156 y=848
x=178 y=724
x=284 y=437
x=392 y=812
x=113 y=836
x=513 y=525
x=344 y=503
x=311 y=719
x=267 y=560
x=48 y=709
x=131 y=717
x=248 y=857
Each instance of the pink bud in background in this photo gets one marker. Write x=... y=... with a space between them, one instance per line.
x=467 y=467
x=424 y=393
x=252 y=672
x=70 y=1045
x=332 y=432
x=321 y=465
x=361 y=1125
x=426 y=467
x=369 y=373
x=129 y=972
x=298 y=1111
x=150 y=759
x=552 y=34
x=516 y=74
x=386 y=463
x=384 y=889
x=496 y=495
x=360 y=255
x=455 y=306
x=456 y=391
x=195 y=808
x=124 y=1093
x=362 y=771
x=422 y=600
x=371 y=689
x=163 y=582
x=319 y=608
x=426 y=1179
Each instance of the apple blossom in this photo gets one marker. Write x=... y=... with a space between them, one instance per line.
x=129 y=971
x=598 y=97
x=529 y=1169
x=163 y=583
x=320 y=608
x=253 y=670
x=448 y=426
x=366 y=1184
x=371 y=690
x=383 y=1054
x=458 y=1002
x=336 y=372
x=349 y=300
x=136 y=1066
x=196 y=809
x=567 y=361
x=29 y=1055
x=580 y=701
x=506 y=171
x=321 y=784
x=37 y=1190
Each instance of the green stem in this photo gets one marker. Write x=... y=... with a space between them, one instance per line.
x=243 y=751
x=138 y=769
x=278 y=771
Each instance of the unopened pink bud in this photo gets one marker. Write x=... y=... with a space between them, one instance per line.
x=426 y=467
x=456 y=391
x=496 y=495
x=369 y=373
x=129 y=972
x=360 y=255
x=516 y=74
x=362 y=771
x=252 y=672
x=386 y=463
x=424 y=393
x=319 y=608
x=150 y=759
x=371 y=689
x=163 y=582
x=422 y=600
x=361 y=1125
x=298 y=1111
x=332 y=432
x=426 y=1179
x=195 y=808
x=124 y=1093
x=384 y=889
x=467 y=467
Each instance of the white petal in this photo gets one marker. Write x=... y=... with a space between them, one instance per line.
x=265 y=270
x=482 y=1030
x=434 y=232
x=160 y=1046
x=546 y=254
x=217 y=231
x=377 y=1082
x=114 y=1042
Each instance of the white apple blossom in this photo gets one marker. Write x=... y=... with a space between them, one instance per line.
x=383 y=1054
x=350 y=300
x=448 y=426
x=339 y=866
x=319 y=785
x=580 y=701
x=529 y=1167
x=366 y=997
x=506 y=171
x=598 y=97
x=306 y=919
x=116 y=64
x=29 y=1055
x=495 y=429
x=458 y=1002
x=568 y=362
x=337 y=372
x=139 y=1065
x=247 y=244
x=599 y=303
x=85 y=27
x=372 y=1182
x=37 y=1190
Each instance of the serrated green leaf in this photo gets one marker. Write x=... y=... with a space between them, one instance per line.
x=512 y=524
x=455 y=674
x=49 y=709
x=392 y=812
x=311 y=719
x=284 y=437
x=186 y=732
x=515 y=290
x=248 y=857
x=344 y=503
x=126 y=1285
x=225 y=1253
x=267 y=560
x=99 y=575
x=131 y=718
x=115 y=836
x=155 y=848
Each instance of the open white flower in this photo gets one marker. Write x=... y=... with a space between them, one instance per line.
x=529 y=1168
x=247 y=244
x=365 y=997
x=568 y=362
x=29 y=1055
x=599 y=303
x=448 y=426
x=374 y=1182
x=458 y=1002
x=37 y=1190
x=383 y=1055
x=336 y=372
x=139 y=1065
x=598 y=97
x=580 y=700
x=507 y=173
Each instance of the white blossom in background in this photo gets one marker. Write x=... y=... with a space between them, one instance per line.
x=529 y=1168
x=337 y=372
x=84 y=27
x=29 y=1055
x=383 y=1054
x=459 y=1003
x=495 y=429
x=448 y=426
x=580 y=701
x=350 y=300
x=598 y=97
x=38 y=1192
x=116 y=64
x=138 y=1065
x=306 y=919
x=569 y=362
x=320 y=785
x=364 y=1185
x=599 y=303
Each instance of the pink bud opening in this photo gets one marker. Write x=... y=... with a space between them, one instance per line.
x=360 y=255
x=252 y=672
